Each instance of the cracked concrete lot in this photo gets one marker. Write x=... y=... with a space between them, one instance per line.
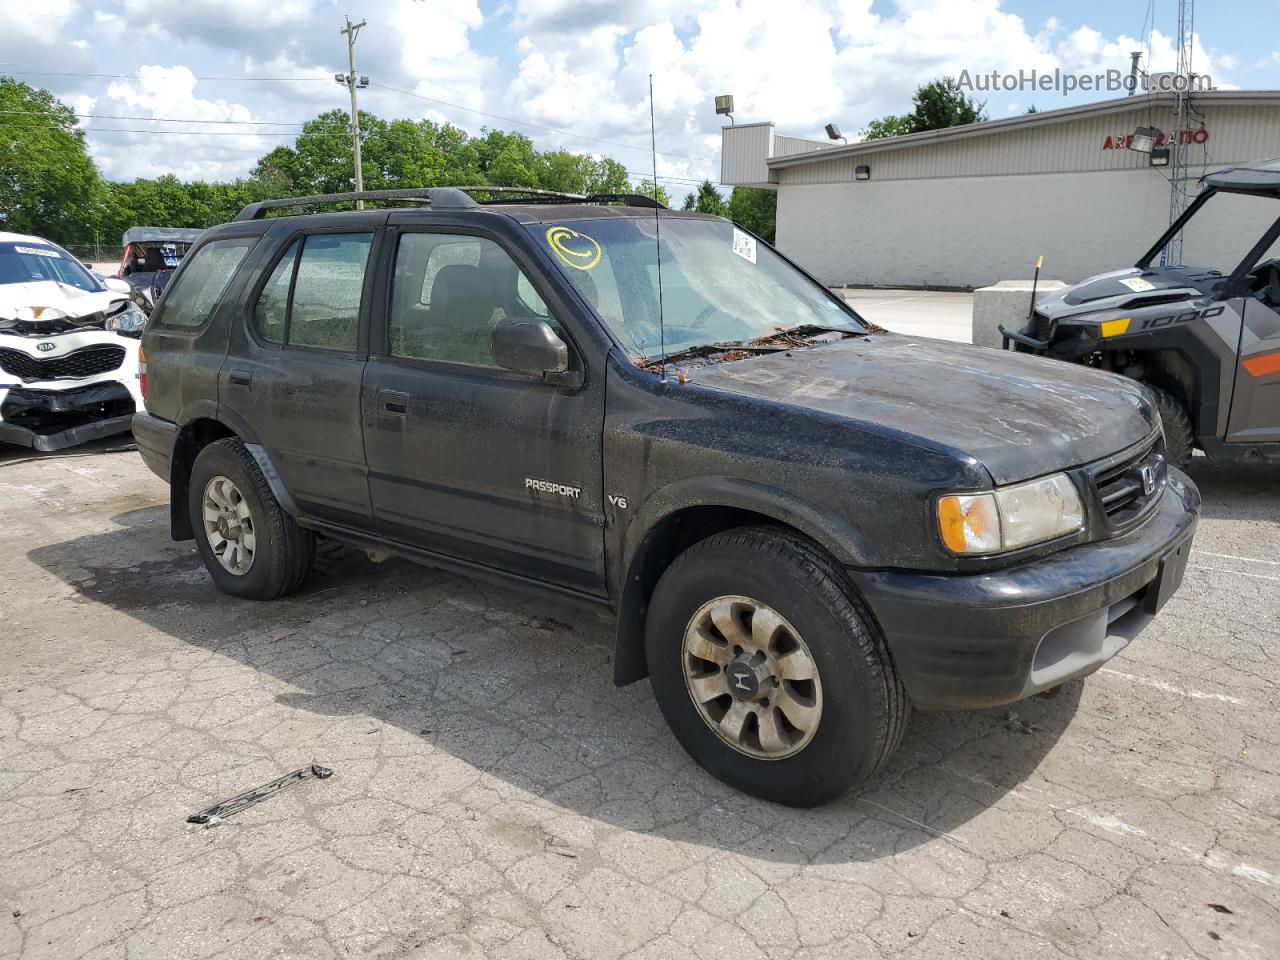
x=496 y=796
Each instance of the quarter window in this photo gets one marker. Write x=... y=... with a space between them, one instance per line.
x=312 y=298
x=197 y=289
x=272 y=311
x=448 y=291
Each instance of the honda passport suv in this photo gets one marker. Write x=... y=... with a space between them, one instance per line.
x=805 y=526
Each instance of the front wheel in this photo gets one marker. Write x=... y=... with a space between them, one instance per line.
x=1179 y=438
x=769 y=669
x=249 y=545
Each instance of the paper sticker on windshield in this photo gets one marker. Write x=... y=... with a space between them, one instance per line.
x=37 y=251
x=1138 y=285
x=744 y=245
x=574 y=249
x=169 y=253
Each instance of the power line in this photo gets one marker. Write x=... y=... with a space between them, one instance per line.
x=138 y=76
x=103 y=116
x=536 y=126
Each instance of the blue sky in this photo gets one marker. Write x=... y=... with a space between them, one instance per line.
x=242 y=75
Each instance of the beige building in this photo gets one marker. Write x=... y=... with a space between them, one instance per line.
x=969 y=206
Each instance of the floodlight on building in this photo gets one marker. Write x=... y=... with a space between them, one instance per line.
x=862 y=172
x=1144 y=139
x=724 y=105
x=1159 y=157
x=833 y=132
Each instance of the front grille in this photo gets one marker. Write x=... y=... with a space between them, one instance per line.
x=1041 y=326
x=1128 y=486
x=76 y=365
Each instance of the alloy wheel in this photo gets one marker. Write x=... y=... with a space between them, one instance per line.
x=751 y=677
x=228 y=525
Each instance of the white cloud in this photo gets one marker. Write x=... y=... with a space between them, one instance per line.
x=580 y=66
x=200 y=151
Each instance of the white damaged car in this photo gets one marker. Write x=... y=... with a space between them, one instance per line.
x=68 y=348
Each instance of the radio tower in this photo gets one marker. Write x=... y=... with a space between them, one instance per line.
x=1178 y=150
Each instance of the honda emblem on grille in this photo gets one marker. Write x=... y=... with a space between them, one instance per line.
x=46 y=346
x=1148 y=479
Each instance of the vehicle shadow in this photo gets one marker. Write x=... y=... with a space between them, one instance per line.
x=519 y=687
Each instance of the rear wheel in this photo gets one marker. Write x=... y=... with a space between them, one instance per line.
x=769 y=670
x=250 y=546
x=1179 y=438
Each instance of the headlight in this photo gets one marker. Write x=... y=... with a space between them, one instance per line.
x=130 y=320
x=1011 y=517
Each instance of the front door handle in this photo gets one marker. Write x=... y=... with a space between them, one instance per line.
x=241 y=376
x=393 y=403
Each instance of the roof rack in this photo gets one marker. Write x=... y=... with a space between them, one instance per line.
x=439 y=197
x=448 y=198
x=529 y=195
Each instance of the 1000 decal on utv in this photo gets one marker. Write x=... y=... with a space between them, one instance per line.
x=1206 y=342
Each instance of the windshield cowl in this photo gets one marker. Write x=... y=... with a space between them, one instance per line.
x=783 y=341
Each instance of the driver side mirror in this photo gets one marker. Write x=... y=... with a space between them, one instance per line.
x=528 y=345
x=116 y=285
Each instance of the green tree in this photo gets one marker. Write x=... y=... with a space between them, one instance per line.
x=936 y=105
x=49 y=185
x=646 y=188
x=890 y=126
x=941 y=103
x=755 y=210
x=709 y=200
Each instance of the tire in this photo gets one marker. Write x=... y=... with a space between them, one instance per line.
x=1179 y=438
x=861 y=706
x=281 y=552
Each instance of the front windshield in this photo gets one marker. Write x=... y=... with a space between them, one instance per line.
x=31 y=262
x=719 y=285
x=1226 y=229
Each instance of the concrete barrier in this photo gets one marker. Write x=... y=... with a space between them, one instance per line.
x=1005 y=303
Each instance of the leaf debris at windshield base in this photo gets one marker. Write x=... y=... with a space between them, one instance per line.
x=805 y=335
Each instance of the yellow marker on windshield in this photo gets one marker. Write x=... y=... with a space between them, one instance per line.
x=1039 y=261
x=574 y=249
x=1114 y=328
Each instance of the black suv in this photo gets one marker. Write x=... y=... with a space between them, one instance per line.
x=803 y=524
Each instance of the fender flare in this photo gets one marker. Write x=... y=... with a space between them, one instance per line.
x=631 y=586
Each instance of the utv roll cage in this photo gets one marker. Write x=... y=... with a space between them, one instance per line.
x=449 y=198
x=1258 y=180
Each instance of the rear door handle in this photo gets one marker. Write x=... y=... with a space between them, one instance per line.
x=241 y=376
x=393 y=403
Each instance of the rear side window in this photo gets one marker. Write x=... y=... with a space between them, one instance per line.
x=312 y=298
x=196 y=291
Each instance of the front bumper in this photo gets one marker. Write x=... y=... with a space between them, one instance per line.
x=982 y=640
x=48 y=420
x=50 y=409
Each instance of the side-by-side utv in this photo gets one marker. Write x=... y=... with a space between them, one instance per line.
x=1206 y=342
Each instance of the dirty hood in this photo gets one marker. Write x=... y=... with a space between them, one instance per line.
x=1020 y=416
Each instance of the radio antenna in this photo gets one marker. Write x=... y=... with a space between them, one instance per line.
x=657 y=239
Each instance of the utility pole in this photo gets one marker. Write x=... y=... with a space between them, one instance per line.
x=354 y=81
x=1178 y=149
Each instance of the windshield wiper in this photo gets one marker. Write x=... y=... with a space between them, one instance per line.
x=803 y=331
x=700 y=350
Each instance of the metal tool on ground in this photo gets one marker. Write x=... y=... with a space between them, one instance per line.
x=220 y=811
